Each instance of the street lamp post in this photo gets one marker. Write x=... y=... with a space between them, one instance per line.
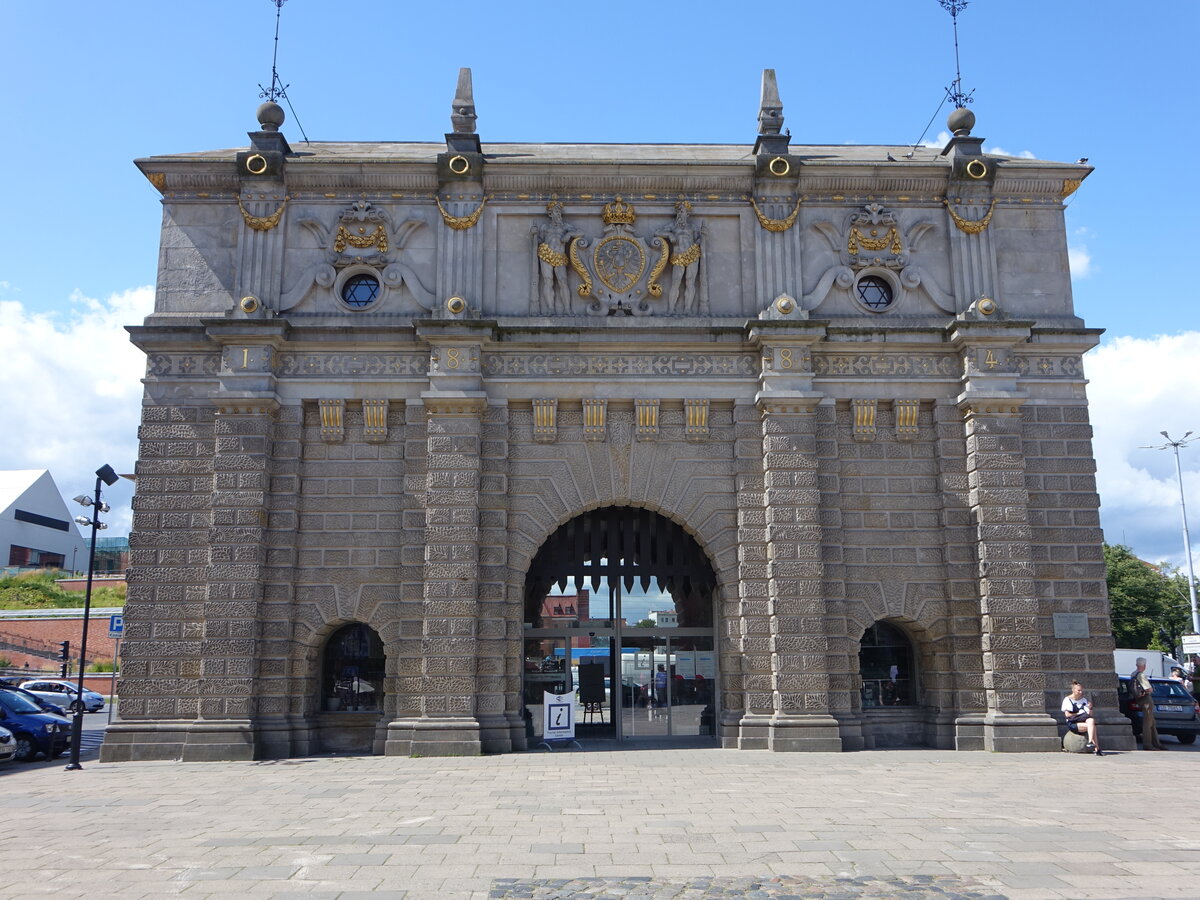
x=1187 y=541
x=105 y=475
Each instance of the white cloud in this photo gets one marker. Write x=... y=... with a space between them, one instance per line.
x=943 y=138
x=1080 y=261
x=1139 y=388
x=74 y=393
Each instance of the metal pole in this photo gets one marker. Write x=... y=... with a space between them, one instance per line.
x=77 y=722
x=1187 y=541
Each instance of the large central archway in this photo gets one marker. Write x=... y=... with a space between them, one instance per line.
x=619 y=609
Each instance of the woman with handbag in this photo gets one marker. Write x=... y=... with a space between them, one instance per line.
x=1078 y=711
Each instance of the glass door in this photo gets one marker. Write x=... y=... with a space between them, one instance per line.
x=645 y=686
x=546 y=669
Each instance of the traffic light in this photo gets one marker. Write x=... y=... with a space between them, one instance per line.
x=64 y=655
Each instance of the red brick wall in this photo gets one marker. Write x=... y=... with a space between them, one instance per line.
x=51 y=631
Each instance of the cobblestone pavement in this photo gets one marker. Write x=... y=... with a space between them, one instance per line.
x=636 y=825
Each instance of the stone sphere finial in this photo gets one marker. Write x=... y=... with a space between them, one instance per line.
x=270 y=115
x=961 y=121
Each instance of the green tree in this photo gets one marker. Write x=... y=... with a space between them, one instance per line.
x=1145 y=599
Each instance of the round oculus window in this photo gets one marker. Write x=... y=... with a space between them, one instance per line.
x=360 y=291
x=874 y=292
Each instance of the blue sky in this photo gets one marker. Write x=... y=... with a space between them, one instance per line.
x=90 y=87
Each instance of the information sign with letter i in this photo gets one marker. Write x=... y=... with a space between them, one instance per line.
x=558 y=717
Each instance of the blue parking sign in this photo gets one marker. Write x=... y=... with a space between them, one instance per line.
x=116 y=625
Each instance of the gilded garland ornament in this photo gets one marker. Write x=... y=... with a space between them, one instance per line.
x=1070 y=186
x=460 y=223
x=262 y=223
x=858 y=239
x=966 y=226
x=585 y=287
x=687 y=257
x=550 y=256
x=377 y=239
x=776 y=225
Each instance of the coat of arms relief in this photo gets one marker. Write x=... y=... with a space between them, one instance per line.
x=619 y=273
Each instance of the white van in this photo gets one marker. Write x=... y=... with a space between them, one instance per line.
x=1158 y=664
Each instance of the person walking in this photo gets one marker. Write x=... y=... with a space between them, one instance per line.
x=1142 y=692
x=1078 y=710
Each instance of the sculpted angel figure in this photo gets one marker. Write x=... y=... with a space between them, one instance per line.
x=553 y=239
x=684 y=298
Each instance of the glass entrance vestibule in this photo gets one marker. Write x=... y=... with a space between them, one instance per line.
x=619 y=614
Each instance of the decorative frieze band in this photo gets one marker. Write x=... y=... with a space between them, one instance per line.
x=886 y=365
x=539 y=365
x=326 y=365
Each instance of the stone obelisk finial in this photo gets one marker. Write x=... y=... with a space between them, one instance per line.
x=462 y=137
x=462 y=117
x=771 y=139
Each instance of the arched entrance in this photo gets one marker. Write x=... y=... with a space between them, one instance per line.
x=350 y=696
x=619 y=608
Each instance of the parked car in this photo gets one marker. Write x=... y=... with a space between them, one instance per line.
x=35 y=731
x=46 y=706
x=63 y=693
x=8 y=746
x=1176 y=712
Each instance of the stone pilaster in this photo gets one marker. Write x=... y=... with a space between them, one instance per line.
x=498 y=687
x=282 y=692
x=227 y=727
x=800 y=682
x=800 y=717
x=458 y=694
x=448 y=725
x=164 y=611
x=964 y=668
x=1013 y=679
x=746 y=627
x=990 y=404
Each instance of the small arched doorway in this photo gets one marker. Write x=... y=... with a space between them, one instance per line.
x=619 y=609
x=890 y=690
x=350 y=699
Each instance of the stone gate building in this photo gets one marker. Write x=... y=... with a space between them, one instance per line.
x=780 y=446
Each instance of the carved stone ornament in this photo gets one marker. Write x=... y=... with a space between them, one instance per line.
x=551 y=240
x=864 y=419
x=364 y=237
x=872 y=238
x=333 y=427
x=620 y=272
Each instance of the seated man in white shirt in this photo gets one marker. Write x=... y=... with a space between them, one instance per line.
x=1078 y=710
